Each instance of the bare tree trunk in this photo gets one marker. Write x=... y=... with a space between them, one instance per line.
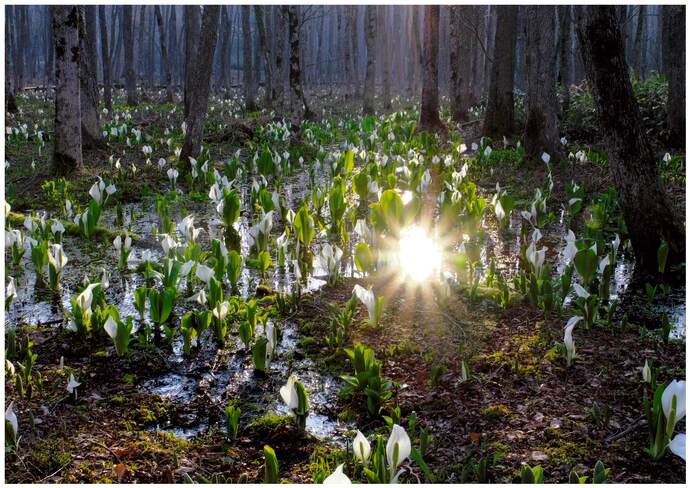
x=128 y=39
x=638 y=49
x=675 y=107
x=226 y=32
x=247 y=69
x=90 y=131
x=370 y=75
x=460 y=62
x=499 y=119
x=266 y=50
x=565 y=23
x=22 y=47
x=354 y=46
x=164 y=56
x=646 y=209
x=174 y=48
x=67 y=155
x=50 y=49
x=10 y=100
x=280 y=52
x=200 y=84
x=541 y=128
x=297 y=97
x=428 y=116
x=385 y=61
x=140 y=47
x=192 y=27
x=107 y=87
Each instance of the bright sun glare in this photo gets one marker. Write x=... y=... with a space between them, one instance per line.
x=420 y=256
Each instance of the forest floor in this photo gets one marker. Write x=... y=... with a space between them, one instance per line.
x=522 y=405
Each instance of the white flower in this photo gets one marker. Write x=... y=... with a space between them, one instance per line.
x=11 y=417
x=580 y=291
x=199 y=297
x=568 y=338
x=204 y=273
x=110 y=327
x=86 y=297
x=57 y=257
x=221 y=310
x=545 y=157
x=72 y=384
x=361 y=448
x=172 y=175
x=337 y=477
x=677 y=446
x=288 y=393
x=57 y=227
x=674 y=389
x=168 y=244
x=10 y=290
x=400 y=438
x=646 y=373
x=368 y=298
x=186 y=268
x=570 y=247
x=187 y=225
x=536 y=257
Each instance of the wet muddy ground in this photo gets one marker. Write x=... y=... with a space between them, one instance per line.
x=157 y=415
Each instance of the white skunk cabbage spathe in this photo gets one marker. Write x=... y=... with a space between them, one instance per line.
x=288 y=393
x=361 y=448
x=337 y=477
x=677 y=446
x=398 y=448
x=674 y=389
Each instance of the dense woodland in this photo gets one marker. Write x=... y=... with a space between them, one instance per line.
x=323 y=243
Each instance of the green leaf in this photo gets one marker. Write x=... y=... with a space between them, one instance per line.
x=364 y=259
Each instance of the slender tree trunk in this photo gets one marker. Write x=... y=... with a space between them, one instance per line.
x=200 y=84
x=385 y=61
x=247 y=69
x=428 y=116
x=174 y=48
x=10 y=100
x=164 y=56
x=226 y=30
x=21 y=46
x=141 y=52
x=90 y=130
x=499 y=119
x=638 y=49
x=107 y=88
x=370 y=75
x=128 y=39
x=67 y=155
x=646 y=209
x=459 y=62
x=541 y=128
x=50 y=72
x=280 y=53
x=354 y=46
x=565 y=23
x=266 y=50
x=192 y=27
x=675 y=107
x=297 y=97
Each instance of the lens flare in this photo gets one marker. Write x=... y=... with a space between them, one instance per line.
x=419 y=256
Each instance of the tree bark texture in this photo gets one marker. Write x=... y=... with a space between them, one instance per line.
x=67 y=153
x=633 y=164
x=200 y=84
x=499 y=119
x=541 y=128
